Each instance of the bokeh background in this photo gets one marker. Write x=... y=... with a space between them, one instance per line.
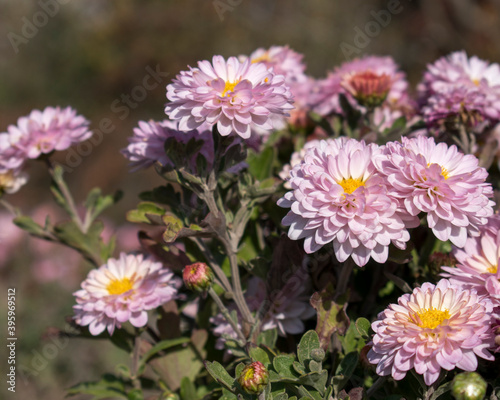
x=92 y=54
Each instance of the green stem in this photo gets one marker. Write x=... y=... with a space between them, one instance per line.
x=343 y=278
x=234 y=324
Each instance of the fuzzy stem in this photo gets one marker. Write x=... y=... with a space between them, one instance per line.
x=234 y=324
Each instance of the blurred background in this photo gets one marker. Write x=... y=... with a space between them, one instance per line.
x=96 y=56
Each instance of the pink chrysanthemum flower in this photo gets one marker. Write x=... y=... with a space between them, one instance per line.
x=477 y=262
x=147 y=146
x=386 y=81
x=435 y=327
x=457 y=70
x=42 y=132
x=234 y=96
x=283 y=61
x=122 y=290
x=338 y=196
x=440 y=181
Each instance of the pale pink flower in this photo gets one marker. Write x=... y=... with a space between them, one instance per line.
x=122 y=290
x=435 y=327
x=477 y=262
x=234 y=96
x=338 y=196
x=438 y=180
x=283 y=61
x=42 y=132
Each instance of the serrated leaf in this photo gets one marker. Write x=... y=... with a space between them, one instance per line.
x=331 y=314
x=220 y=374
x=160 y=346
x=308 y=343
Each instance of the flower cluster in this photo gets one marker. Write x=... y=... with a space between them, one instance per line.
x=436 y=327
x=458 y=86
x=122 y=290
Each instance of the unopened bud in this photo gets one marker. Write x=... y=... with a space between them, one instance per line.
x=318 y=355
x=198 y=277
x=254 y=378
x=468 y=386
x=369 y=89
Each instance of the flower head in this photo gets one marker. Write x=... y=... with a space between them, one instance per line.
x=438 y=180
x=236 y=96
x=434 y=327
x=198 y=276
x=42 y=132
x=477 y=262
x=122 y=290
x=147 y=146
x=457 y=74
x=338 y=196
x=370 y=76
x=12 y=180
x=254 y=378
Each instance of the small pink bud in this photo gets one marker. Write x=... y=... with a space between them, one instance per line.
x=254 y=378
x=368 y=88
x=198 y=277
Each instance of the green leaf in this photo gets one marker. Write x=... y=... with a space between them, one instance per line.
x=280 y=396
x=299 y=368
x=108 y=386
x=220 y=374
x=310 y=395
x=27 y=224
x=316 y=380
x=160 y=346
x=145 y=209
x=268 y=338
x=363 y=327
x=308 y=343
x=227 y=395
x=345 y=370
x=315 y=366
x=283 y=364
x=257 y=354
x=88 y=244
x=135 y=394
x=173 y=227
x=261 y=165
x=188 y=390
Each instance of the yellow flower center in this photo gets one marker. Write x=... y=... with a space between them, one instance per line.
x=476 y=81
x=229 y=87
x=263 y=58
x=6 y=179
x=431 y=318
x=249 y=374
x=350 y=185
x=444 y=172
x=493 y=269
x=119 y=286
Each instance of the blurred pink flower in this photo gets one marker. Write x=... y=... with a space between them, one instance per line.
x=338 y=196
x=147 y=146
x=340 y=82
x=122 y=290
x=288 y=308
x=236 y=96
x=42 y=132
x=440 y=181
x=436 y=326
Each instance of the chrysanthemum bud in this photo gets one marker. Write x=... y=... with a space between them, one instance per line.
x=254 y=378
x=468 y=386
x=369 y=89
x=318 y=355
x=198 y=277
